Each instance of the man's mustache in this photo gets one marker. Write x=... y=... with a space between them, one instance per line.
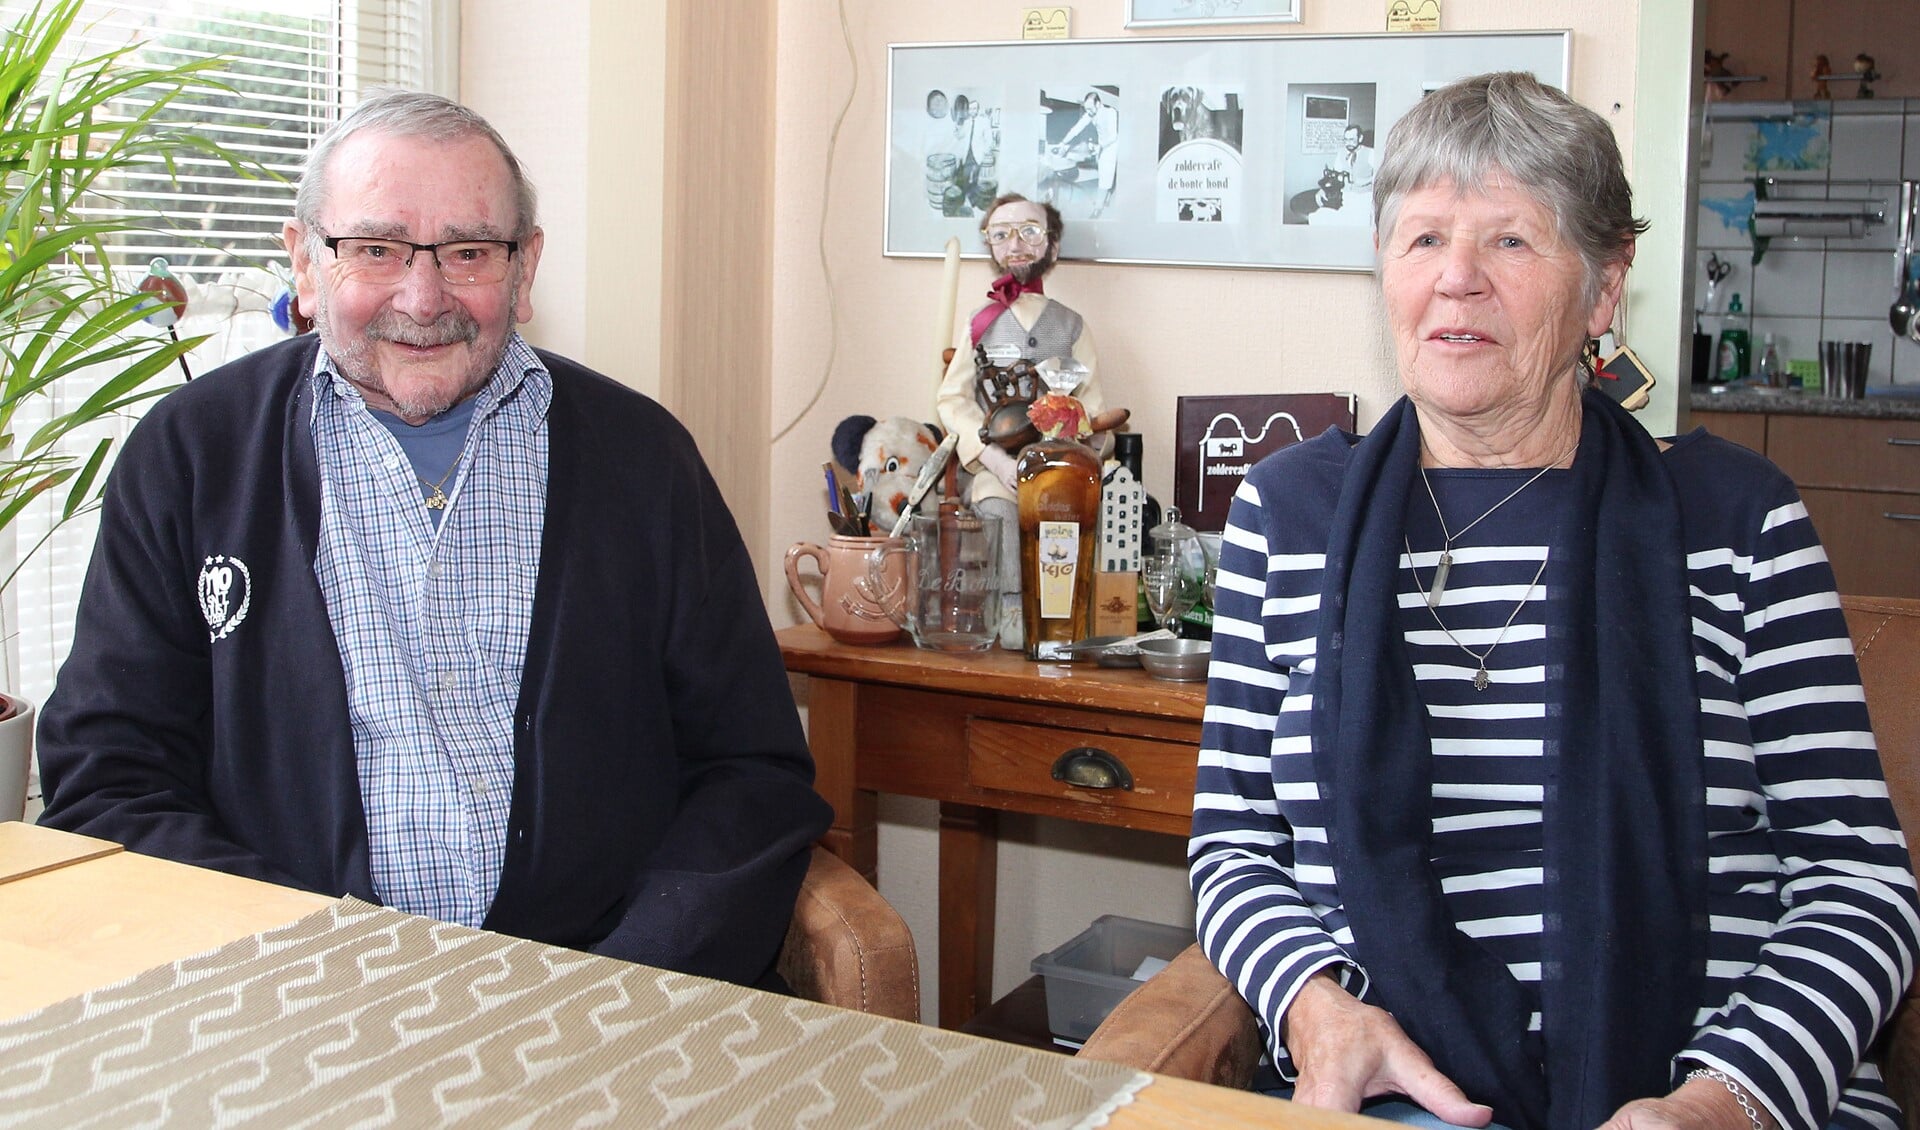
x=454 y=325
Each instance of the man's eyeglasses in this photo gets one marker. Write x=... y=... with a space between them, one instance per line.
x=1028 y=233
x=461 y=262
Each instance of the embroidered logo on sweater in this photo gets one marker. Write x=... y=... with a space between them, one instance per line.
x=226 y=589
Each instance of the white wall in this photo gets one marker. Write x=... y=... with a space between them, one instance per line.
x=576 y=87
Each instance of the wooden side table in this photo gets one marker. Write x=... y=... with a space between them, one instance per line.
x=984 y=734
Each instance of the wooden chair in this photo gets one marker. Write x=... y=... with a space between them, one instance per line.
x=847 y=946
x=1189 y=1021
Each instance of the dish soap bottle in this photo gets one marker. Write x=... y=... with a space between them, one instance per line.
x=1059 y=487
x=1769 y=370
x=1735 y=347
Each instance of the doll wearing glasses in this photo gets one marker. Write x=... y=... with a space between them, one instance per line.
x=1020 y=341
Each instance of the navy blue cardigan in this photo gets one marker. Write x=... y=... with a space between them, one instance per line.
x=662 y=803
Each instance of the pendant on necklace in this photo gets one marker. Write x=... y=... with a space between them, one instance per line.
x=1481 y=678
x=437 y=500
x=1440 y=572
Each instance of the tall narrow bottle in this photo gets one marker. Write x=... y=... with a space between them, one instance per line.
x=1059 y=487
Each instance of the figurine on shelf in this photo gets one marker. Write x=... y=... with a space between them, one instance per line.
x=1020 y=345
x=1863 y=66
x=1822 y=71
x=1716 y=67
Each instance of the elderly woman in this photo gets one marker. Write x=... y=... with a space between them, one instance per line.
x=1537 y=783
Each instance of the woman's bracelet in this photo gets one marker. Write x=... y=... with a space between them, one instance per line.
x=1738 y=1092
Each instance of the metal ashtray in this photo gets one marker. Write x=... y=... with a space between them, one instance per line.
x=1106 y=651
x=1181 y=661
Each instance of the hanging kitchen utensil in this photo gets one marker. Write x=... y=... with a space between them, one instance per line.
x=1906 y=303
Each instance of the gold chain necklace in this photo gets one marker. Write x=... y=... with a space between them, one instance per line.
x=438 y=499
x=1445 y=565
x=1481 y=680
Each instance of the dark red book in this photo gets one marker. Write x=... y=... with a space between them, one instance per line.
x=1218 y=439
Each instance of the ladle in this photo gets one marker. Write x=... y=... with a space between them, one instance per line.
x=1906 y=304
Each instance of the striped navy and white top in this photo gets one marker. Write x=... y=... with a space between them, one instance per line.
x=1812 y=902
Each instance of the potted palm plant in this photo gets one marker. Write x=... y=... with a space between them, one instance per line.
x=69 y=130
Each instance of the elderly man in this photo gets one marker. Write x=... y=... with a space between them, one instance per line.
x=418 y=613
x=1018 y=323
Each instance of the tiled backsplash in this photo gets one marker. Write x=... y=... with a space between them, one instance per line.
x=1805 y=290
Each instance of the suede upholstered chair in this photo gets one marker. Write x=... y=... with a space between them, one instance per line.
x=847 y=946
x=1190 y=1022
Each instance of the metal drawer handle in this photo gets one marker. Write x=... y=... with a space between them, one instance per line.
x=1090 y=768
x=1901 y=517
x=1897 y=441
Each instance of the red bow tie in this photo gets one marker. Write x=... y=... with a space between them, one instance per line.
x=1001 y=294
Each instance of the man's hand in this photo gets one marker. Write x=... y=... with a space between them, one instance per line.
x=1348 y=1051
x=1699 y=1104
x=1000 y=465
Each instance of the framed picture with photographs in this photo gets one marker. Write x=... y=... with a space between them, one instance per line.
x=1173 y=13
x=1207 y=152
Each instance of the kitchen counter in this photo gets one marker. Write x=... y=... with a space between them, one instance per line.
x=1805 y=404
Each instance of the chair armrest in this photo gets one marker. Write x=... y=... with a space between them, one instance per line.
x=1187 y=1021
x=1900 y=1057
x=847 y=946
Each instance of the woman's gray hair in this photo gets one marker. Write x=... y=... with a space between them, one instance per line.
x=1510 y=123
x=409 y=113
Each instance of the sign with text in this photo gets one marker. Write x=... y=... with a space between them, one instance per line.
x=1218 y=439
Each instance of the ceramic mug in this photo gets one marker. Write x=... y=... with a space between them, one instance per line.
x=848 y=609
x=950 y=600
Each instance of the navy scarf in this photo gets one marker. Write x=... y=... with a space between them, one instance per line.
x=1624 y=929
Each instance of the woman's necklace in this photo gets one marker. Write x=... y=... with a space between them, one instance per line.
x=1481 y=679
x=1445 y=566
x=438 y=499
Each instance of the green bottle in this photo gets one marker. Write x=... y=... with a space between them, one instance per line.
x=1735 y=347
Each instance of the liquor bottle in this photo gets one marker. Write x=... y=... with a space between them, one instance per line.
x=1059 y=487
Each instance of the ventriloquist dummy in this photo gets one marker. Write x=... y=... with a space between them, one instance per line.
x=1020 y=345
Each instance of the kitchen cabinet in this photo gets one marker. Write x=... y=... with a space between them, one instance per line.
x=1781 y=38
x=1860 y=479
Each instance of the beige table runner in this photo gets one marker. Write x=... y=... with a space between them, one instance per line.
x=362 y=1016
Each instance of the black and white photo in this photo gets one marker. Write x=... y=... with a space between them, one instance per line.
x=1329 y=154
x=1200 y=178
x=1080 y=150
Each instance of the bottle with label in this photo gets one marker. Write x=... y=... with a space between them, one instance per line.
x=1059 y=488
x=1736 y=349
x=1769 y=371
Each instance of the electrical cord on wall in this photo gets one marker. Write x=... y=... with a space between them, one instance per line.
x=826 y=199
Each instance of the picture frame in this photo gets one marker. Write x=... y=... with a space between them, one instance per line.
x=1231 y=151
x=1176 y=13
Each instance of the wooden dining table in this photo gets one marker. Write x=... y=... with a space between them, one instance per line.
x=78 y=915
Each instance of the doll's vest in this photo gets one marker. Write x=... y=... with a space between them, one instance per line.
x=1052 y=336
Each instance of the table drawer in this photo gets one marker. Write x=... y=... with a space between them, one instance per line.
x=1148 y=775
x=1843 y=454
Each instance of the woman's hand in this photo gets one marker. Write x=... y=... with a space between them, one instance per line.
x=1699 y=1104
x=1348 y=1051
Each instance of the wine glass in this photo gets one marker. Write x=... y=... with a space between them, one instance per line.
x=1171 y=593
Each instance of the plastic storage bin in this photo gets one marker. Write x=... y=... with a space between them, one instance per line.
x=1090 y=974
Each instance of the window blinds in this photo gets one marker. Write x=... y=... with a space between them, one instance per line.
x=293 y=67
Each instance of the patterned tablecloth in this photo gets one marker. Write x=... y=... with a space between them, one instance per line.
x=362 y=1016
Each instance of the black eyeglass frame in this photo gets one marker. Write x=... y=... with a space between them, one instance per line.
x=333 y=242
